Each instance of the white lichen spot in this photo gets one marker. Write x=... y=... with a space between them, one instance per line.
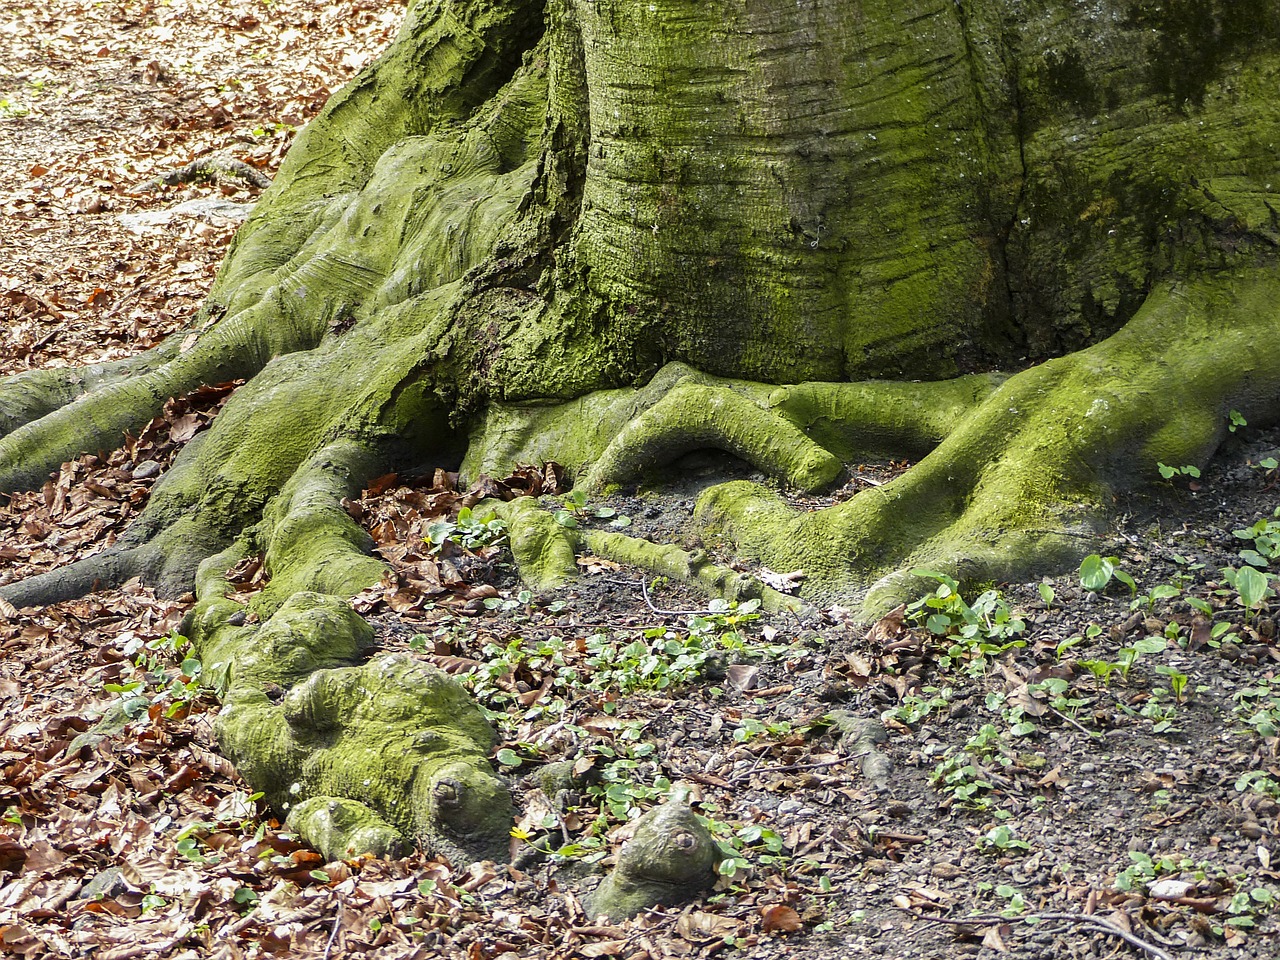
x=295 y=789
x=1098 y=406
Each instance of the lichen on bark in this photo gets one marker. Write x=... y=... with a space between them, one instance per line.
x=982 y=234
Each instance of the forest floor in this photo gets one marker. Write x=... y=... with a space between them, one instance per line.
x=1064 y=772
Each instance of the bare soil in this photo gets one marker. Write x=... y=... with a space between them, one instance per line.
x=1048 y=799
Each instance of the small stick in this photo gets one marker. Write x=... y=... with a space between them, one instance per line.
x=790 y=768
x=644 y=588
x=1088 y=733
x=333 y=934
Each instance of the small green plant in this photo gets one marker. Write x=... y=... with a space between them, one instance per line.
x=1265 y=535
x=1058 y=693
x=468 y=530
x=1236 y=420
x=1259 y=707
x=157 y=683
x=245 y=897
x=1128 y=656
x=915 y=708
x=1258 y=781
x=1160 y=711
x=1103 y=670
x=1096 y=572
x=743 y=846
x=1015 y=903
x=1046 y=594
x=1091 y=633
x=1252 y=587
x=1161 y=591
x=945 y=612
x=751 y=728
x=981 y=630
x=1246 y=905
x=1145 y=868
x=575 y=510
x=1187 y=470
x=1002 y=839
x=963 y=782
x=1177 y=681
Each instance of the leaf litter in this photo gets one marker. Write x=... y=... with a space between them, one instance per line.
x=935 y=838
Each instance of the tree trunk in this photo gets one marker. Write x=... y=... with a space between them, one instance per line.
x=1031 y=243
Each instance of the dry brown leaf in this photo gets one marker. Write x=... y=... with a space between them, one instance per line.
x=697 y=926
x=778 y=918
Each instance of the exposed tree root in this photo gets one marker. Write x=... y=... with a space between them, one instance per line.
x=526 y=209
x=215 y=168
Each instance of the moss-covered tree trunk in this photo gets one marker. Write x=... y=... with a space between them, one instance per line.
x=1030 y=241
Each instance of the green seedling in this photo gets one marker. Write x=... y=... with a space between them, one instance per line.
x=1046 y=594
x=1161 y=591
x=1246 y=905
x=576 y=510
x=1096 y=572
x=1187 y=470
x=1258 y=781
x=468 y=531
x=1146 y=868
x=743 y=846
x=1265 y=535
x=959 y=777
x=1091 y=633
x=751 y=728
x=915 y=708
x=1259 y=707
x=1177 y=681
x=1251 y=586
x=1130 y=655
x=1057 y=692
x=1002 y=839
x=1015 y=904
x=1160 y=711
x=1236 y=420
x=983 y=629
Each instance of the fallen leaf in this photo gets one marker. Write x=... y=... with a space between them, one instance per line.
x=779 y=918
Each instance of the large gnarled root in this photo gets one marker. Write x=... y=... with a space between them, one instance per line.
x=546 y=556
x=309 y=727
x=797 y=434
x=670 y=857
x=1024 y=482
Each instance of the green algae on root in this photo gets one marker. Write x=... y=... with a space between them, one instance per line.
x=670 y=858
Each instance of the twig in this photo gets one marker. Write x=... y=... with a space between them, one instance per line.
x=790 y=768
x=644 y=588
x=1098 y=925
x=1088 y=733
x=333 y=934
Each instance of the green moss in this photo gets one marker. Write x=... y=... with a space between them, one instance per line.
x=342 y=829
x=1022 y=484
x=396 y=736
x=543 y=549
x=670 y=857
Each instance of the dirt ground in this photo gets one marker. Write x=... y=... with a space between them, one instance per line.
x=1102 y=782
